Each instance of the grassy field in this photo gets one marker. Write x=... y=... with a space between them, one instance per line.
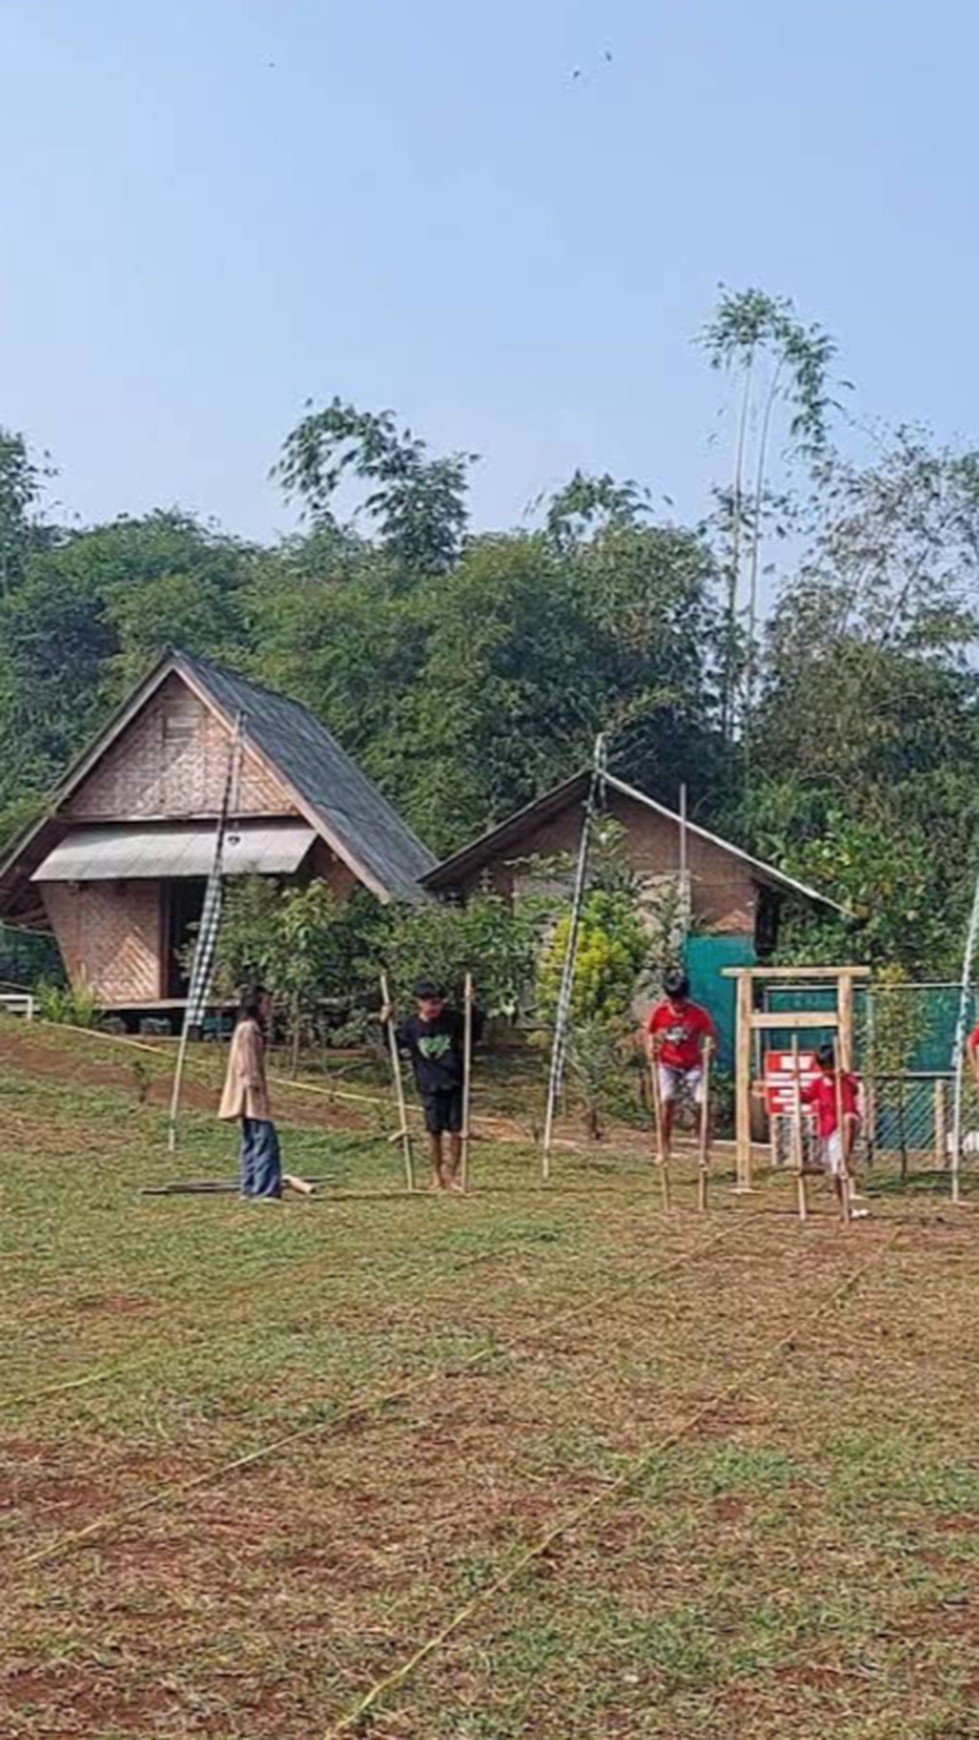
x=536 y=1463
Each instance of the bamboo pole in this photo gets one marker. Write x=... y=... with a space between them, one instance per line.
x=404 y=1134
x=841 y=1137
x=704 y=1152
x=207 y=936
x=467 y=1063
x=961 y=1048
x=798 y=1145
x=661 y=1160
x=559 y=1045
x=743 y=1084
x=844 y=1010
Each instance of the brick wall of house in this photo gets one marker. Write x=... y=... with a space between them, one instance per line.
x=109 y=934
x=327 y=867
x=723 y=893
x=172 y=761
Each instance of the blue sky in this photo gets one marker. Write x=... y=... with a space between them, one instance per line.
x=213 y=209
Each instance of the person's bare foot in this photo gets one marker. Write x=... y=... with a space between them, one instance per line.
x=435 y=1186
x=455 y=1185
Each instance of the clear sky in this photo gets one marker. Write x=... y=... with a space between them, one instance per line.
x=211 y=210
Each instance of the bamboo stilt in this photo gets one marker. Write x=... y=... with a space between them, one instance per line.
x=467 y=1060
x=703 y=1156
x=661 y=1159
x=404 y=1134
x=841 y=1136
x=798 y=1145
x=743 y=1084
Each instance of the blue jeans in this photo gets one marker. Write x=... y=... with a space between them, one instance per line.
x=261 y=1166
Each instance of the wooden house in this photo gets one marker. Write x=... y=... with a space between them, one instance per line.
x=726 y=891
x=116 y=866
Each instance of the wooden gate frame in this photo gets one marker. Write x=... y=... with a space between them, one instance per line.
x=751 y=1020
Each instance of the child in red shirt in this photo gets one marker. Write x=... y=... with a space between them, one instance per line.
x=829 y=1098
x=676 y=1033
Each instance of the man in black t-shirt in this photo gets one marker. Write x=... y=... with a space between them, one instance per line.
x=434 y=1038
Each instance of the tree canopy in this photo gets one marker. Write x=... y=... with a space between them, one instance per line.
x=802 y=658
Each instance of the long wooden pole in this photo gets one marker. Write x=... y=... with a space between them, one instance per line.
x=743 y=1084
x=798 y=1145
x=960 y=1049
x=467 y=1065
x=562 y=1017
x=399 y=1091
x=684 y=866
x=661 y=1160
x=841 y=1136
x=203 y=963
x=703 y=1156
x=844 y=1011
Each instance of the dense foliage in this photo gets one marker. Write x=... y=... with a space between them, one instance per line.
x=823 y=714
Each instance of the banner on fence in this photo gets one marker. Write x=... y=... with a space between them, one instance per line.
x=780 y=1079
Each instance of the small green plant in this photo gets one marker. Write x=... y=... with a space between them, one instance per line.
x=69 y=1005
x=142 y=1079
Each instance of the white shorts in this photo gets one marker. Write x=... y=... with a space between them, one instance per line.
x=832 y=1154
x=671 y=1080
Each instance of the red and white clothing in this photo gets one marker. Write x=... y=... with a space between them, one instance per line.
x=827 y=1101
x=681 y=1029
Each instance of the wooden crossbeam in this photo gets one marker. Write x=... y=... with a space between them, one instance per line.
x=794 y=974
x=791 y=1021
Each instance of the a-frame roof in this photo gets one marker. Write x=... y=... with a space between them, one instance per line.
x=507 y=834
x=327 y=786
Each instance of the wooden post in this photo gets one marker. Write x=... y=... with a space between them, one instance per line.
x=664 y=1172
x=844 y=1010
x=743 y=1084
x=467 y=1064
x=941 y=1147
x=798 y=1145
x=703 y=1156
x=403 y=1134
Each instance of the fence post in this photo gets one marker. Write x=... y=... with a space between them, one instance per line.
x=941 y=1147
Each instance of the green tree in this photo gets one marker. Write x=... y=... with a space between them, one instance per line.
x=417 y=502
x=316 y=954
x=870 y=707
x=22 y=480
x=488 y=937
x=777 y=363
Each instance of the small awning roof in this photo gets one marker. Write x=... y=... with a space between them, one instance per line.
x=130 y=853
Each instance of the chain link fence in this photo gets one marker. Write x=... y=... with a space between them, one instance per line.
x=904 y=1053
x=27 y=957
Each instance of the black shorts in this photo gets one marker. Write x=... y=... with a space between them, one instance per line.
x=443 y=1111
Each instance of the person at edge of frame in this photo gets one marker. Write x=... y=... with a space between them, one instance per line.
x=434 y=1038
x=832 y=1100
x=677 y=1031
x=245 y=1100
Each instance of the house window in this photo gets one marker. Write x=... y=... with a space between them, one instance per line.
x=178 y=728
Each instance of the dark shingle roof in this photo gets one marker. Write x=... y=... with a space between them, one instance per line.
x=321 y=773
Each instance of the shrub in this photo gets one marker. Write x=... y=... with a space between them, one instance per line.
x=70 y=1006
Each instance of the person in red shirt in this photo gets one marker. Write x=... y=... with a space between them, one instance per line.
x=972 y=1047
x=829 y=1099
x=676 y=1034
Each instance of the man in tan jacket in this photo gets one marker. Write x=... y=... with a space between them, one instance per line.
x=245 y=1099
